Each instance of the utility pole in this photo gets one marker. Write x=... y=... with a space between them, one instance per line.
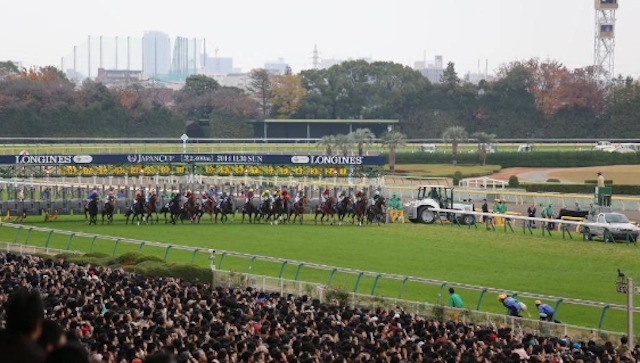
x=630 y=313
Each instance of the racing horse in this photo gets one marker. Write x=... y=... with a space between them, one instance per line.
x=326 y=208
x=298 y=209
x=279 y=210
x=109 y=208
x=191 y=208
x=92 y=209
x=136 y=209
x=345 y=208
x=360 y=211
x=264 y=211
x=175 y=212
x=225 y=208
x=376 y=213
x=249 y=209
x=151 y=207
x=208 y=207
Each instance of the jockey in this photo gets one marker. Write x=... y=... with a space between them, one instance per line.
x=138 y=195
x=275 y=196
x=249 y=196
x=223 y=197
x=341 y=196
x=376 y=196
x=93 y=195
x=299 y=196
x=325 y=195
x=111 y=196
x=188 y=193
x=266 y=195
x=285 y=195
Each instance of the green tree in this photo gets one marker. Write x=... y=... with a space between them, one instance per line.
x=327 y=141
x=454 y=134
x=361 y=137
x=200 y=85
x=484 y=139
x=342 y=142
x=392 y=140
x=449 y=78
x=260 y=87
x=8 y=69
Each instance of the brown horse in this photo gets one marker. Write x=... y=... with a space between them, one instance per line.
x=298 y=209
x=209 y=207
x=109 y=208
x=326 y=209
x=150 y=208
x=191 y=207
x=376 y=212
x=361 y=209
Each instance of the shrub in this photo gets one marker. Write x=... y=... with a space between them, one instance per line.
x=514 y=182
x=457 y=176
x=553 y=180
x=341 y=295
x=137 y=258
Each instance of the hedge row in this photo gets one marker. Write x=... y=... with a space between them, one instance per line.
x=143 y=264
x=532 y=159
x=579 y=188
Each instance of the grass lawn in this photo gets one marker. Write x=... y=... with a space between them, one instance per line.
x=576 y=269
x=444 y=170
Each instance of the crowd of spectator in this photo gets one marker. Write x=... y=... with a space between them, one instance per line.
x=54 y=311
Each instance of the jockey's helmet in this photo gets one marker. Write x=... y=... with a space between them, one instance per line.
x=251 y=190
x=377 y=192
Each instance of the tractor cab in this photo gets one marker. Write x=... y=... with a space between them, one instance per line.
x=432 y=198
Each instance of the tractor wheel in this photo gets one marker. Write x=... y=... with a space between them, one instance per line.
x=468 y=220
x=426 y=215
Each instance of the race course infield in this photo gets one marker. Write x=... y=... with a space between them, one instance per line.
x=511 y=261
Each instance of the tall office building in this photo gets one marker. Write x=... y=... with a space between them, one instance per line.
x=156 y=53
x=180 y=63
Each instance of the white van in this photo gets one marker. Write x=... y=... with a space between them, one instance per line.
x=428 y=148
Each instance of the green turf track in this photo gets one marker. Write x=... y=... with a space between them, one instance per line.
x=75 y=149
x=551 y=266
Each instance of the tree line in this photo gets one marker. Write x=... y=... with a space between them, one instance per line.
x=529 y=99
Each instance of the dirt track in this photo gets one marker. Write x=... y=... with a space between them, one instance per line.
x=620 y=174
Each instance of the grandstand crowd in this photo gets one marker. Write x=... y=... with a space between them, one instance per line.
x=54 y=311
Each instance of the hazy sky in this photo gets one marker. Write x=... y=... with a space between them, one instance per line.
x=253 y=31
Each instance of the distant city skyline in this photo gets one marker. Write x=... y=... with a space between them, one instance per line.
x=463 y=31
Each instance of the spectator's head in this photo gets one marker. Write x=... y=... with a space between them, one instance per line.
x=160 y=358
x=25 y=313
x=451 y=290
x=69 y=353
x=52 y=336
